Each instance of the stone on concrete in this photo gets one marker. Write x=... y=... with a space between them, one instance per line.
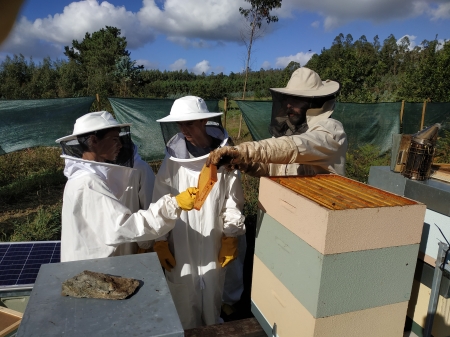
x=89 y=284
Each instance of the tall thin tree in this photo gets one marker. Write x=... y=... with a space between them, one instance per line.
x=259 y=12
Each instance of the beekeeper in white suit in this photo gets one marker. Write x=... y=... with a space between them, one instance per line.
x=95 y=221
x=202 y=242
x=306 y=141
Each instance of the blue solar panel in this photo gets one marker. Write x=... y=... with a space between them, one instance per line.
x=20 y=261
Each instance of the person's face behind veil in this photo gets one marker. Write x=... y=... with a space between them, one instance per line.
x=194 y=131
x=289 y=115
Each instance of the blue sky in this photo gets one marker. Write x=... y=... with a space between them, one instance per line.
x=205 y=35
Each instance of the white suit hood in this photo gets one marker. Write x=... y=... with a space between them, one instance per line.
x=116 y=177
x=177 y=151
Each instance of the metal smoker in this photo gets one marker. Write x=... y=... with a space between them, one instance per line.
x=420 y=153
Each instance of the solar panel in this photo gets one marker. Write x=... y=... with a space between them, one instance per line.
x=20 y=261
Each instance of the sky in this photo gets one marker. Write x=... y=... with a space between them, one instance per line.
x=206 y=35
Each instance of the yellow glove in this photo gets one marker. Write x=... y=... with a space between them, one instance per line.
x=164 y=255
x=186 y=199
x=228 y=251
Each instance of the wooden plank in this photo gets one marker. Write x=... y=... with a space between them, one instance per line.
x=248 y=327
x=9 y=320
x=440 y=172
x=206 y=181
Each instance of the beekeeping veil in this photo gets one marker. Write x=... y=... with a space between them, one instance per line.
x=93 y=124
x=188 y=108
x=305 y=98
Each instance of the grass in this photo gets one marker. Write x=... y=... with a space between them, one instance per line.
x=31 y=186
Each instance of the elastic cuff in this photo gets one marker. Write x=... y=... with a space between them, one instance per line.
x=175 y=202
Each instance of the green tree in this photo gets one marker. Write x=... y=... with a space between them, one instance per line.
x=97 y=55
x=44 y=80
x=126 y=73
x=15 y=74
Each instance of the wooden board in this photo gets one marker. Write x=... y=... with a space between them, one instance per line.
x=248 y=327
x=9 y=320
x=206 y=181
x=440 y=172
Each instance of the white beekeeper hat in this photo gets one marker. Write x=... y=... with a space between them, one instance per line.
x=188 y=108
x=90 y=122
x=307 y=83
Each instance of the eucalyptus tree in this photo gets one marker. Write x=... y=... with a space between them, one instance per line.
x=259 y=12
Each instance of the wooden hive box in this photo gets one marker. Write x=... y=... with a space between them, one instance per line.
x=333 y=257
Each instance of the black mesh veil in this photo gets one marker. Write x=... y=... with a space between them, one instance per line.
x=281 y=124
x=125 y=157
x=170 y=129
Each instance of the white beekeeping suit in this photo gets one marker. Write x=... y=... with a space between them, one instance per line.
x=138 y=196
x=196 y=282
x=95 y=220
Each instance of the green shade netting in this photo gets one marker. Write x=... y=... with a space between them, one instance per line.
x=438 y=113
x=257 y=115
x=364 y=123
x=434 y=113
x=29 y=123
x=142 y=113
x=412 y=116
x=369 y=123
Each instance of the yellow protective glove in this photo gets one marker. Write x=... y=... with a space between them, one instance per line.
x=164 y=255
x=228 y=251
x=186 y=199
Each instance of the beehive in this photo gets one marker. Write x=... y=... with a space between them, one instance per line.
x=333 y=257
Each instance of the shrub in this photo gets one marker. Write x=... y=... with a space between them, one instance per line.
x=359 y=161
x=45 y=226
x=443 y=148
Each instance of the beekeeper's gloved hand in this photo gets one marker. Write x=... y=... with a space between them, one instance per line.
x=164 y=255
x=228 y=251
x=224 y=156
x=186 y=199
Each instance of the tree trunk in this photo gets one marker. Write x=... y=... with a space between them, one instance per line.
x=249 y=52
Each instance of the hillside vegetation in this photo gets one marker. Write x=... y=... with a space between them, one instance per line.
x=32 y=180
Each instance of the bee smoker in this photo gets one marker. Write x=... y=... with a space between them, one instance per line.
x=420 y=153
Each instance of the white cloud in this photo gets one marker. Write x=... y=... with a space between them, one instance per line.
x=265 y=65
x=441 y=12
x=412 y=41
x=147 y=64
x=315 y=24
x=179 y=64
x=193 y=19
x=193 y=23
x=301 y=58
x=76 y=19
x=187 y=43
x=337 y=13
x=201 y=67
